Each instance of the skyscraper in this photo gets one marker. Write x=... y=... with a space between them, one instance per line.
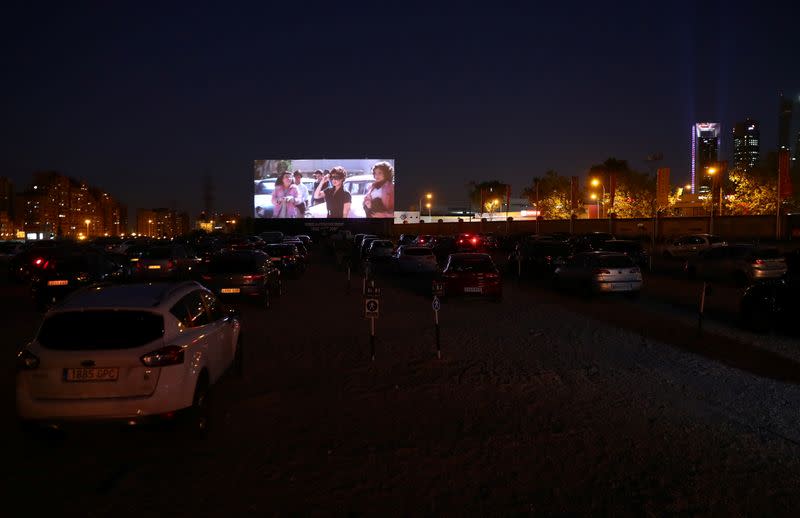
x=705 y=150
x=785 y=106
x=746 y=144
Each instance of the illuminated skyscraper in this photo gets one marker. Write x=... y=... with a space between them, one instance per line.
x=746 y=144
x=705 y=150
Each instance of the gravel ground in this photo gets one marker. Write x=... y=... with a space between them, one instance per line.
x=541 y=404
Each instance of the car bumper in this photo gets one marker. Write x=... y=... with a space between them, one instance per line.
x=174 y=391
x=768 y=274
x=622 y=286
x=245 y=292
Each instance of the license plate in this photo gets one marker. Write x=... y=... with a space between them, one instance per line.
x=154 y=267
x=93 y=374
x=229 y=290
x=57 y=283
x=472 y=289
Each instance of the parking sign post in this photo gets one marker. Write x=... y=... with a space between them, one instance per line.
x=436 y=306
x=371 y=311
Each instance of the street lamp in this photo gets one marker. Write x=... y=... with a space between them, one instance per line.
x=593 y=196
x=87 y=221
x=711 y=172
x=429 y=197
x=150 y=227
x=596 y=182
x=430 y=219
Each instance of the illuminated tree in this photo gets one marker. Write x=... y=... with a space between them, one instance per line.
x=554 y=201
x=634 y=193
x=481 y=192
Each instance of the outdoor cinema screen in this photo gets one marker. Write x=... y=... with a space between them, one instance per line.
x=324 y=188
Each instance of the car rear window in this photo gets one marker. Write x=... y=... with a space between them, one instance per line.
x=417 y=251
x=71 y=264
x=615 y=261
x=158 y=253
x=478 y=265
x=233 y=264
x=102 y=329
x=277 y=251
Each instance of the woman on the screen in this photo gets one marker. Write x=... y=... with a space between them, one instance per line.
x=379 y=200
x=337 y=200
x=285 y=198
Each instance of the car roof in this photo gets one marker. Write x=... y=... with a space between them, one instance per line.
x=149 y=295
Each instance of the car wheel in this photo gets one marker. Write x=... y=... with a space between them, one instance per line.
x=200 y=412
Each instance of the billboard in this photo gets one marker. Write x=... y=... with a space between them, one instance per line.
x=324 y=188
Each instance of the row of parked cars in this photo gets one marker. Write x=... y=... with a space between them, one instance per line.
x=249 y=266
x=120 y=346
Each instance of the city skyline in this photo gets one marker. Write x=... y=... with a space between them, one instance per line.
x=467 y=96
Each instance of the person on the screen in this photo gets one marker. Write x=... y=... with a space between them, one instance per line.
x=284 y=199
x=318 y=175
x=336 y=198
x=302 y=193
x=379 y=200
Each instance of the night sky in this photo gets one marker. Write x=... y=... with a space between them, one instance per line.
x=144 y=100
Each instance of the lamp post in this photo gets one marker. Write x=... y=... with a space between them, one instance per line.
x=87 y=221
x=595 y=183
x=150 y=228
x=593 y=196
x=712 y=171
x=428 y=197
x=430 y=219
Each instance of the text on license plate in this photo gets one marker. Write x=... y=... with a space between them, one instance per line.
x=472 y=289
x=93 y=374
x=229 y=290
x=154 y=267
x=57 y=283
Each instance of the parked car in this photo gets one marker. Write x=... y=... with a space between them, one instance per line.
x=380 y=250
x=772 y=304
x=741 y=263
x=262 y=198
x=406 y=239
x=243 y=275
x=469 y=273
x=67 y=270
x=541 y=257
x=31 y=256
x=171 y=262
x=598 y=272
x=443 y=246
x=271 y=237
x=415 y=259
x=633 y=249
x=423 y=240
x=687 y=246
x=127 y=353
x=287 y=258
x=591 y=241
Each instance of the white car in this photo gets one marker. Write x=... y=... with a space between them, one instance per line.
x=128 y=353
x=687 y=246
x=415 y=259
x=357 y=186
x=262 y=197
x=600 y=272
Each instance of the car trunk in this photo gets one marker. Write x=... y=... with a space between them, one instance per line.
x=96 y=354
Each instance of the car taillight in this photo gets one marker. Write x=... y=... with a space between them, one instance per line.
x=40 y=262
x=474 y=240
x=169 y=355
x=26 y=360
x=759 y=262
x=491 y=276
x=170 y=264
x=600 y=271
x=205 y=277
x=251 y=278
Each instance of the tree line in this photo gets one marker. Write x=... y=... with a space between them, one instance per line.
x=743 y=191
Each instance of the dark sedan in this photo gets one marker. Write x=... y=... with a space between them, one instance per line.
x=287 y=258
x=472 y=274
x=243 y=274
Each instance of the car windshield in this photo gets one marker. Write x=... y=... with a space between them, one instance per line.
x=158 y=253
x=615 y=261
x=265 y=187
x=233 y=264
x=277 y=251
x=417 y=252
x=97 y=330
x=476 y=265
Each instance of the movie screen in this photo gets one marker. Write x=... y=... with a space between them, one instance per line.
x=324 y=188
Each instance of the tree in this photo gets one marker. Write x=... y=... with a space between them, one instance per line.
x=554 y=200
x=634 y=192
x=482 y=192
